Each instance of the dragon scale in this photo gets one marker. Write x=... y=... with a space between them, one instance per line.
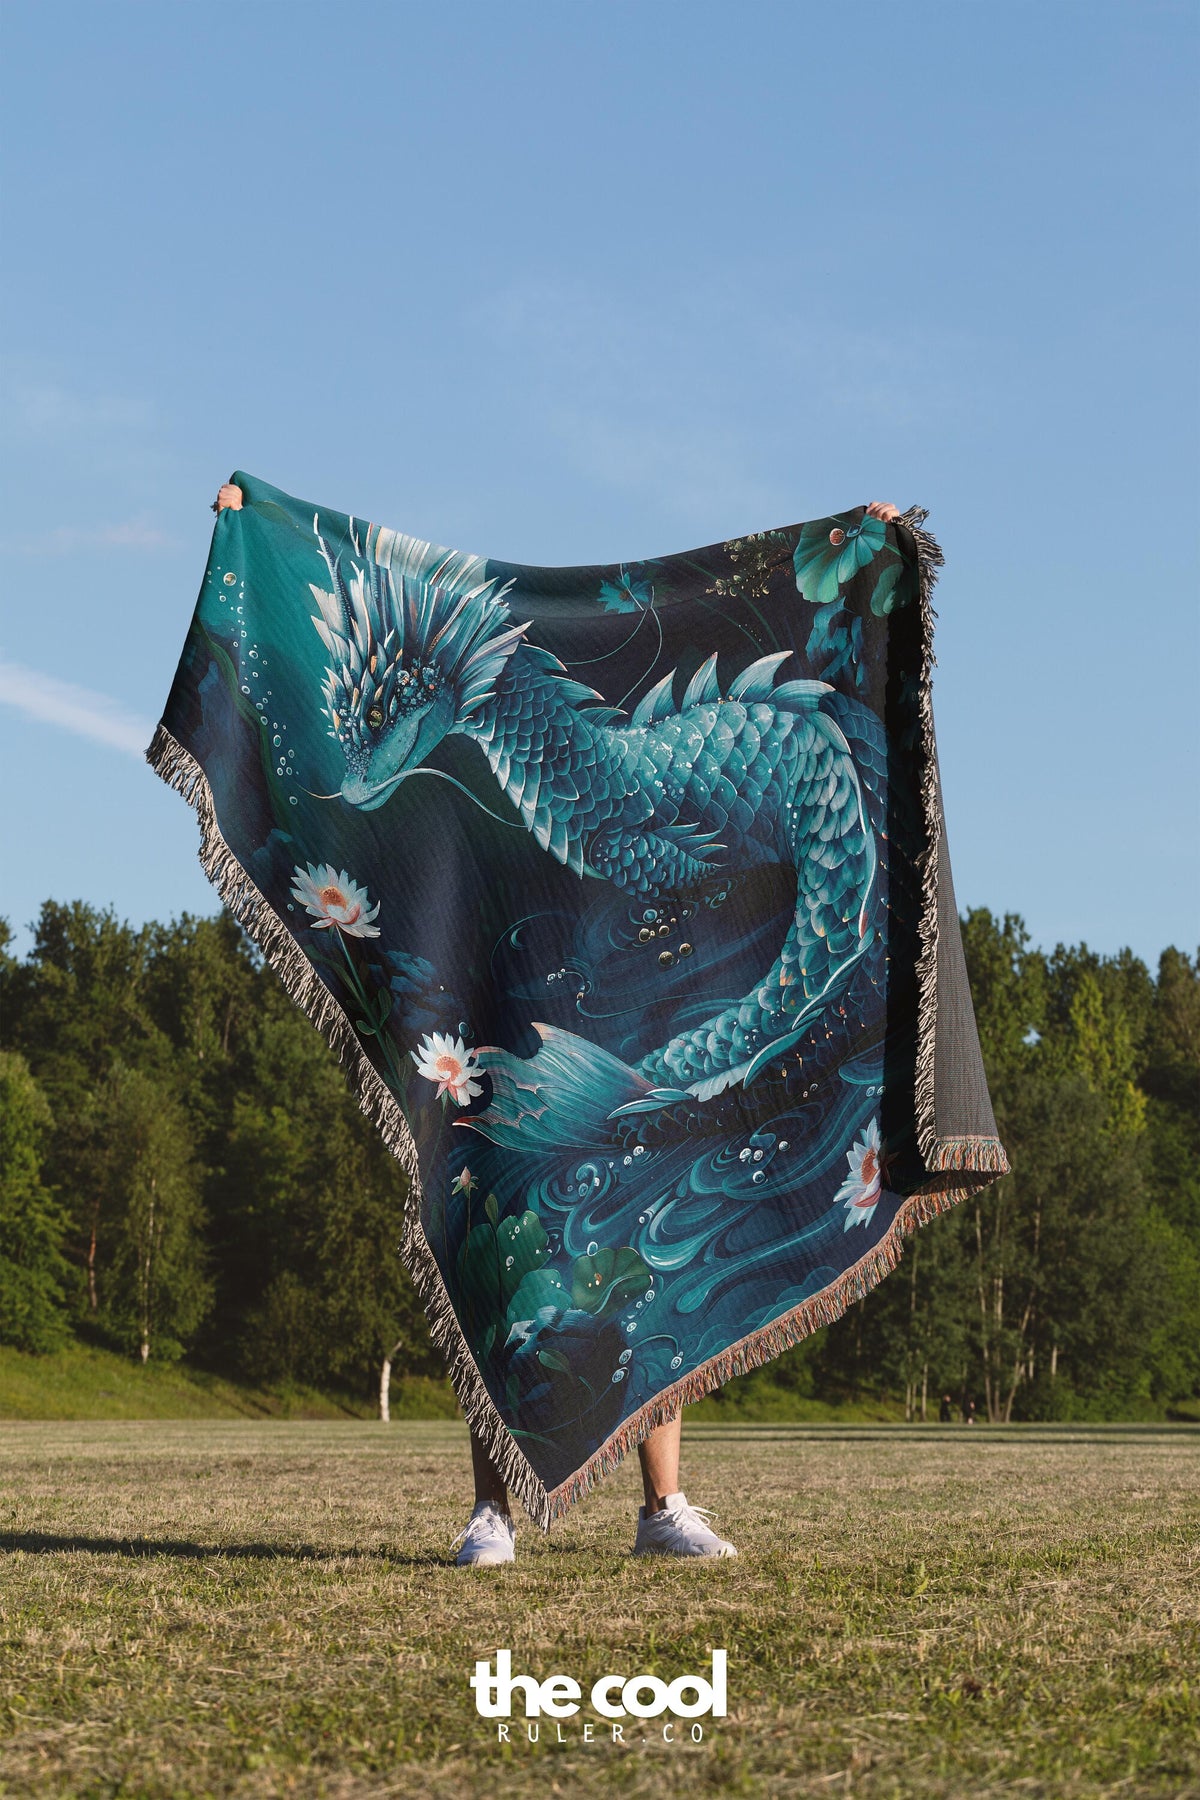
x=652 y=803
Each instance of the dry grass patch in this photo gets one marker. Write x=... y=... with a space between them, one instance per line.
x=259 y=1610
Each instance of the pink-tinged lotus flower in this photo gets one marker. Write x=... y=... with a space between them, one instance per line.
x=466 y=1183
x=863 y=1186
x=334 y=901
x=447 y=1061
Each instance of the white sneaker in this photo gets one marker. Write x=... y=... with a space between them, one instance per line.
x=678 y=1530
x=487 y=1539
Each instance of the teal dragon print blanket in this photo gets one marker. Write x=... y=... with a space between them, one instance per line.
x=622 y=892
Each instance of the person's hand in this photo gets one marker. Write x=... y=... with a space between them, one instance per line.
x=878 y=509
x=229 y=495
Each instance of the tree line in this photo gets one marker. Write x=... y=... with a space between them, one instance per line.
x=184 y=1172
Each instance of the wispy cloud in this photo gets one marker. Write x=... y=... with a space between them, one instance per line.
x=726 y=400
x=51 y=411
x=78 y=710
x=135 y=535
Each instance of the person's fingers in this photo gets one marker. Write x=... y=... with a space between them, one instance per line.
x=229 y=495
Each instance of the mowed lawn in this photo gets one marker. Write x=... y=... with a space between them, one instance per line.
x=259 y=1609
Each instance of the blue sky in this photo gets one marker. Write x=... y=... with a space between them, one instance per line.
x=567 y=283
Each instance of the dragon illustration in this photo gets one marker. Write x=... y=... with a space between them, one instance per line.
x=423 y=645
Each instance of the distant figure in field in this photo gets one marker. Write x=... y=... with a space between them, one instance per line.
x=968 y=1412
x=946 y=1411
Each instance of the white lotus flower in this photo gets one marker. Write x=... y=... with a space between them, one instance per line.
x=863 y=1186
x=334 y=900
x=447 y=1061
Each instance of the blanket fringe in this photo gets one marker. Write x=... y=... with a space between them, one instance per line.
x=180 y=770
x=263 y=926
x=764 y=1345
x=980 y=1155
x=929 y=562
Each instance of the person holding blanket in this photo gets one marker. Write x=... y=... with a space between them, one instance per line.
x=668 y=1524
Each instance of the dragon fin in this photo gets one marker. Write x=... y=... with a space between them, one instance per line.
x=656 y=704
x=703 y=685
x=800 y=695
x=755 y=683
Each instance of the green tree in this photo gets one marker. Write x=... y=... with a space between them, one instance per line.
x=314 y=1203
x=153 y=1286
x=32 y=1223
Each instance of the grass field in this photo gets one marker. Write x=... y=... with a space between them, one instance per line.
x=261 y=1609
x=84 y=1381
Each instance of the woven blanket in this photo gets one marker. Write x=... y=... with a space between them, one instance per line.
x=622 y=892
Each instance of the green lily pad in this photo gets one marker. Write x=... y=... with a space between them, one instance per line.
x=606 y=1280
x=491 y=1265
x=541 y=1287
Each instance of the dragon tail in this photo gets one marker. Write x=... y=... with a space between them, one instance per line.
x=564 y=1095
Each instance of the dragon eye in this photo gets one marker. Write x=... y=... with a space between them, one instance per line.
x=375 y=718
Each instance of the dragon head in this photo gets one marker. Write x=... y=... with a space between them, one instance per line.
x=414 y=657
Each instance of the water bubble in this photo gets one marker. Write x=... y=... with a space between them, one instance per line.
x=276 y=741
x=508 y=1262
x=632 y=1326
x=618 y=1374
x=743 y=1156
x=649 y=1295
x=758 y=1156
x=783 y=1143
x=293 y=800
x=759 y=1175
x=246 y=689
x=639 y=1149
x=229 y=578
x=592 y=1247
x=626 y=1161
x=625 y=1356
x=675 y=1361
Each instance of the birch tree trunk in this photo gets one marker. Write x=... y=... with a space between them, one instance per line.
x=146 y=1274
x=385 y=1383
x=93 y=1297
